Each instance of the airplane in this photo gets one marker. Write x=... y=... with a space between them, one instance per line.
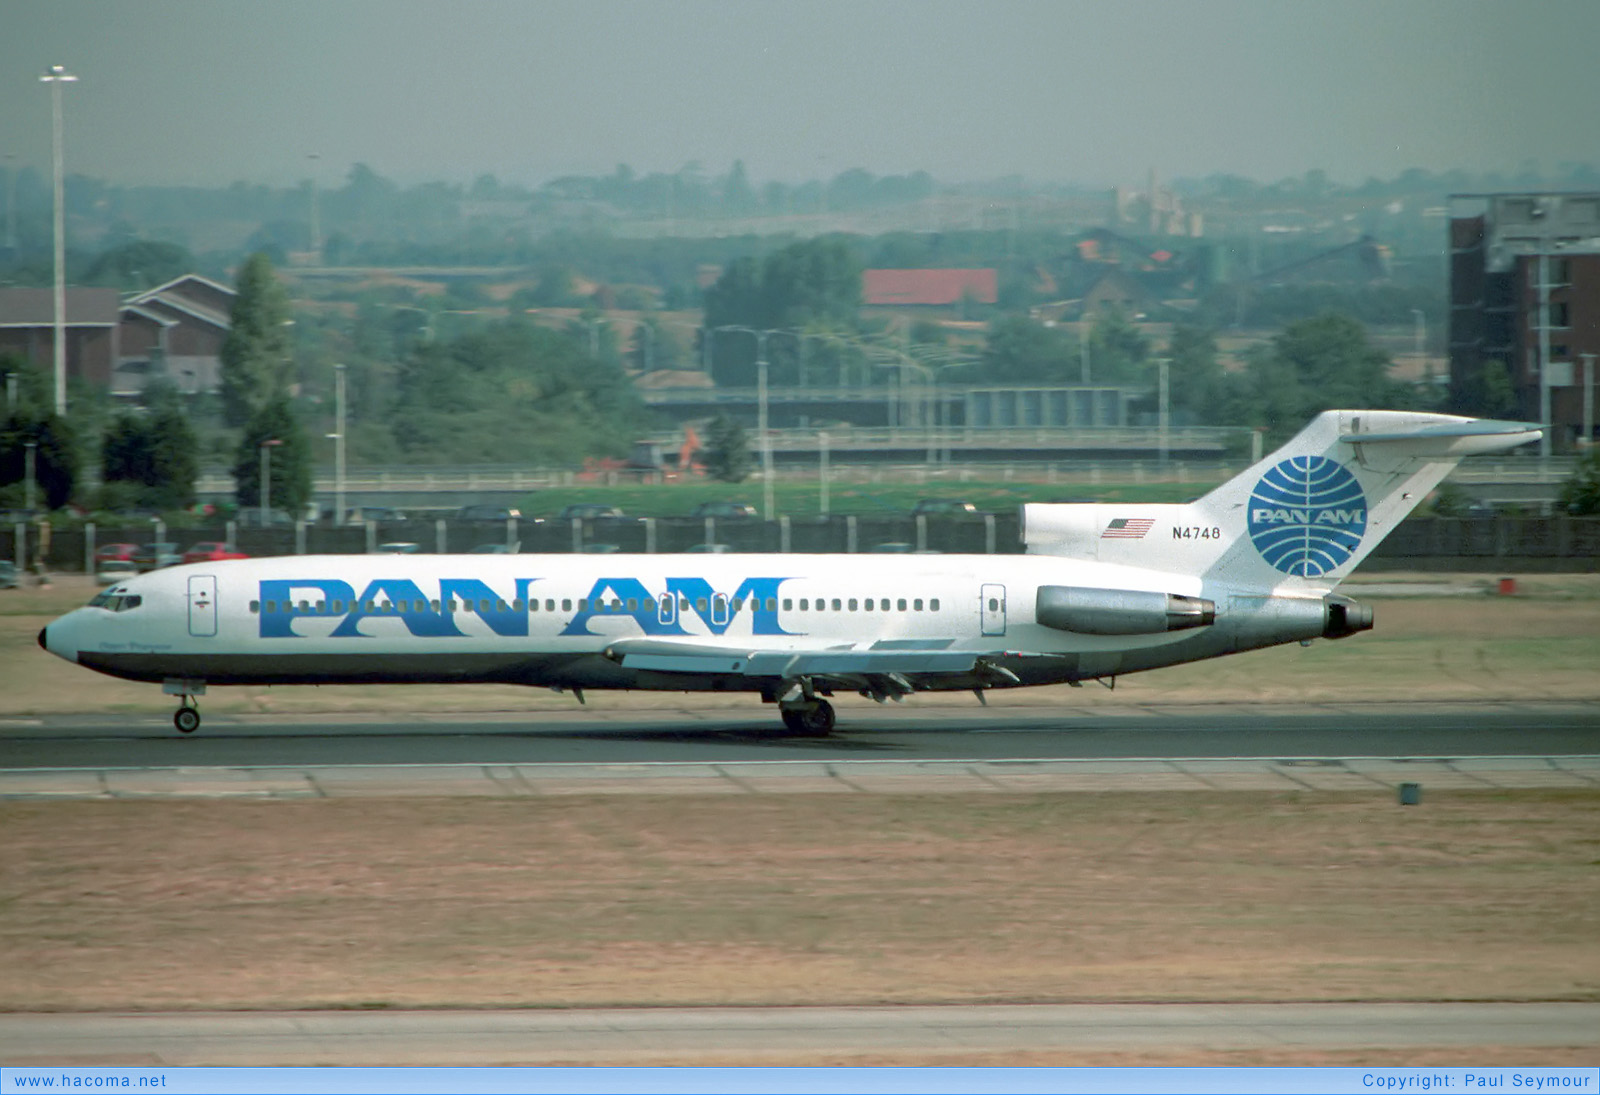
x=1103 y=589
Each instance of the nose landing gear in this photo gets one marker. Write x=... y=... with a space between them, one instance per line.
x=187 y=717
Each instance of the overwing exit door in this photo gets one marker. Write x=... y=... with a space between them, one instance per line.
x=993 y=610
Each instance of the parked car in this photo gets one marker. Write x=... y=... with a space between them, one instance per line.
x=941 y=507
x=488 y=513
x=708 y=549
x=112 y=571
x=587 y=511
x=162 y=553
x=8 y=574
x=494 y=549
x=212 y=551
x=723 y=510
x=362 y=514
x=113 y=551
x=399 y=547
x=601 y=549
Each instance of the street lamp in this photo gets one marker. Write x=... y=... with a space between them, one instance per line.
x=266 y=479
x=55 y=78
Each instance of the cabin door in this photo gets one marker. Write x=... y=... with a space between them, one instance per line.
x=202 y=605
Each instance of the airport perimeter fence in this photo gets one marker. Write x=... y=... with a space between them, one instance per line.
x=1558 y=543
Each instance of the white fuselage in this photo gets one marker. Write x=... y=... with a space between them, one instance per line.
x=550 y=620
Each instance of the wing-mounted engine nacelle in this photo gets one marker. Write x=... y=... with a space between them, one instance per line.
x=1120 y=611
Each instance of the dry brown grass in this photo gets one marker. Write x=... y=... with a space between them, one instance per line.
x=799 y=900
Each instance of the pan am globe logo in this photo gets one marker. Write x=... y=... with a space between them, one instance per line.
x=1307 y=516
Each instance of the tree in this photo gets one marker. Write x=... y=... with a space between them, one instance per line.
x=290 y=462
x=55 y=467
x=727 y=451
x=154 y=454
x=139 y=264
x=1019 y=350
x=1581 y=493
x=1195 y=381
x=1118 y=350
x=814 y=284
x=257 y=355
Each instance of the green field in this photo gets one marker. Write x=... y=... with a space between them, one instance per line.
x=803 y=499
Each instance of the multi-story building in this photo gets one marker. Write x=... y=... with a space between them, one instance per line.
x=1525 y=308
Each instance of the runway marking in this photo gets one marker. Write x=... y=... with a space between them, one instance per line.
x=866 y=776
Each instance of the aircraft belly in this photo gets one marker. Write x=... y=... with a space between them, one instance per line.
x=510 y=667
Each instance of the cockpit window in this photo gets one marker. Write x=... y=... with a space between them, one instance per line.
x=116 y=599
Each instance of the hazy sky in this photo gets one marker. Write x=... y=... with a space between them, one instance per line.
x=212 y=92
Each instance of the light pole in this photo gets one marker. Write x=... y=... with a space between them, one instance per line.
x=29 y=474
x=55 y=78
x=338 y=449
x=1085 y=331
x=822 y=448
x=1421 y=337
x=11 y=202
x=316 y=226
x=1588 y=401
x=1164 y=416
x=1544 y=354
x=761 y=410
x=266 y=479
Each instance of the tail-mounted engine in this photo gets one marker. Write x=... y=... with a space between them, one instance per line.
x=1120 y=611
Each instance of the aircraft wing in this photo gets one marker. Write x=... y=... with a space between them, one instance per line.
x=882 y=668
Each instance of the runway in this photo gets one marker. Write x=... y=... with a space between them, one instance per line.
x=933 y=748
x=622 y=1036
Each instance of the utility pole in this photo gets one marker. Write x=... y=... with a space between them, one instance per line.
x=338 y=450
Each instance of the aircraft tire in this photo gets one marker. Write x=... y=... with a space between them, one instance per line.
x=186 y=719
x=818 y=720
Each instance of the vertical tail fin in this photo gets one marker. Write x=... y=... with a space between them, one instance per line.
x=1306 y=515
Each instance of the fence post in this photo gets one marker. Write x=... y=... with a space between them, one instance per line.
x=577 y=535
x=711 y=530
x=440 y=536
x=230 y=532
x=372 y=537
x=88 y=548
x=850 y=534
x=299 y=537
x=649 y=535
x=988 y=534
x=19 y=546
x=922 y=532
x=783 y=533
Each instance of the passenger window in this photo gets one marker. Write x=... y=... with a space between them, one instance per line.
x=550 y=605
x=901 y=604
x=305 y=606
x=933 y=604
x=805 y=604
x=994 y=604
x=836 y=604
x=566 y=604
x=772 y=604
x=649 y=604
x=499 y=606
x=738 y=603
x=616 y=604
x=583 y=604
x=852 y=604
x=255 y=607
x=866 y=605
x=700 y=604
x=433 y=606
x=916 y=605
x=338 y=607
x=483 y=605
x=516 y=605
x=401 y=606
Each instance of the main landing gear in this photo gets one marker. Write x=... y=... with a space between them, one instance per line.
x=187 y=717
x=808 y=716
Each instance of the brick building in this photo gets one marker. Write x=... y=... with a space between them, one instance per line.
x=1525 y=304
x=27 y=329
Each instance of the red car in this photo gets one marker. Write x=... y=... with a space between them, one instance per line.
x=211 y=551
x=114 y=551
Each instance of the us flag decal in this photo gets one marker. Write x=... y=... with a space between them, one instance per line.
x=1128 y=528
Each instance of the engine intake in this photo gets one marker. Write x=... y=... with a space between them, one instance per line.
x=1120 y=611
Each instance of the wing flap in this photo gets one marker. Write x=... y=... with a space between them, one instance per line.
x=669 y=657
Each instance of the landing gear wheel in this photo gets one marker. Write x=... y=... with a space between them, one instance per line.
x=814 y=718
x=186 y=719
